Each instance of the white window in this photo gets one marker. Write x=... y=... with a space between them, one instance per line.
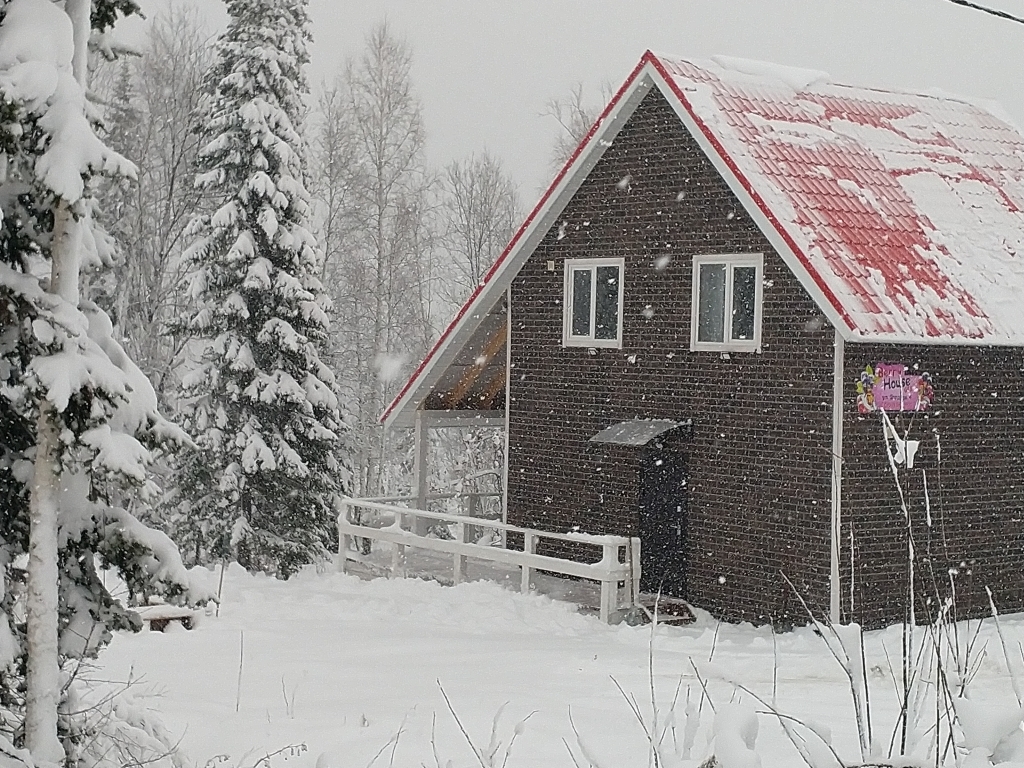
x=593 y=303
x=726 y=311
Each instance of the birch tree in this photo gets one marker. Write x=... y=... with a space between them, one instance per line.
x=153 y=121
x=375 y=192
x=260 y=401
x=478 y=215
x=78 y=415
x=574 y=116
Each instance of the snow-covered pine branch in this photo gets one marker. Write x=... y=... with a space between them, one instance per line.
x=261 y=403
x=78 y=416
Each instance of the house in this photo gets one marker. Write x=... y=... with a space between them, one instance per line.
x=773 y=325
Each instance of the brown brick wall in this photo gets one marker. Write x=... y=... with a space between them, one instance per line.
x=760 y=449
x=759 y=457
x=976 y=491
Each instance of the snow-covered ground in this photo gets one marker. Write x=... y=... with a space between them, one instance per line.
x=346 y=667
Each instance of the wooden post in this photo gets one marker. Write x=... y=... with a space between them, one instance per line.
x=635 y=570
x=609 y=589
x=838 y=383
x=474 y=508
x=529 y=546
x=342 y=537
x=398 y=553
x=508 y=411
x=397 y=557
x=458 y=560
x=420 y=471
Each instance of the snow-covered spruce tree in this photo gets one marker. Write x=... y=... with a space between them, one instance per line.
x=259 y=401
x=77 y=417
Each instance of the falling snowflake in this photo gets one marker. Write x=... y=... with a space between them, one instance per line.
x=389 y=366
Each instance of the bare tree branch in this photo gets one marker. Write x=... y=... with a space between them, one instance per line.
x=374 y=200
x=574 y=116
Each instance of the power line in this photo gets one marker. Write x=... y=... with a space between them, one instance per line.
x=992 y=11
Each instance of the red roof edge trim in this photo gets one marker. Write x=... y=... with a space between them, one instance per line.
x=541 y=203
x=765 y=210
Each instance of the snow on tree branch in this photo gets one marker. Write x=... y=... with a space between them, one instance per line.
x=261 y=402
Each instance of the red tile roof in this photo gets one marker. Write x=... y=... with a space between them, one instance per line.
x=906 y=210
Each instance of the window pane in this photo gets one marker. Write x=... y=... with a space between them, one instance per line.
x=711 y=299
x=581 y=302
x=607 y=309
x=744 y=292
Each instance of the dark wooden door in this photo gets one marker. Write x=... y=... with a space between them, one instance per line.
x=663 y=496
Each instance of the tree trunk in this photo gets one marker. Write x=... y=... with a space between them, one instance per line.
x=79 y=11
x=42 y=681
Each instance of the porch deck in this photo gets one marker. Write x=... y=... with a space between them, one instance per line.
x=586 y=595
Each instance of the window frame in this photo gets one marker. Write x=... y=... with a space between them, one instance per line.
x=731 y=261
x=572 y=265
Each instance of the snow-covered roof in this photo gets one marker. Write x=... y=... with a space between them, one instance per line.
x=901 y=214
x=907 y=210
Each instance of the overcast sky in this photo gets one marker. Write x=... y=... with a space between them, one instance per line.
x=484 y=69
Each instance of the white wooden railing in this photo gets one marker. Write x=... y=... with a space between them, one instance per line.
x=619 y=564
x=473 y=498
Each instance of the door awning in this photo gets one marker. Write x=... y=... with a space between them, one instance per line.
x=637 y=431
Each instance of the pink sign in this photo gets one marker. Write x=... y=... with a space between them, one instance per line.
x=889 y=387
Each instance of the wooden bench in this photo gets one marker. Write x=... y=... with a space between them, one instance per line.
x=158 y=617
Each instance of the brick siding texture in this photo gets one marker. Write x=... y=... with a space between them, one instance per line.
x=759 y=456
x=971 y=460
